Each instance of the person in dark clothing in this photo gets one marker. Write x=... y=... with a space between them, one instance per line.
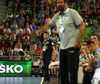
x=48 y=50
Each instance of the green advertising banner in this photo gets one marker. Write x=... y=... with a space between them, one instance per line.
x=15 y=68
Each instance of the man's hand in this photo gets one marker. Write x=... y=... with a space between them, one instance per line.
x=39 y=32
x=78 y=44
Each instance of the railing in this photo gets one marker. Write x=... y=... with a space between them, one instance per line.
x=22 y=58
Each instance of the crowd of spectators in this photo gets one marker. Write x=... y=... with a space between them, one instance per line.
x=18 y=33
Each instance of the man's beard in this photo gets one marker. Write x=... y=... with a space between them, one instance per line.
x=61 y=8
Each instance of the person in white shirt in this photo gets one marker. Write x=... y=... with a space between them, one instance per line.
x=53 y=66
x=36 y=63
x=7 y=30
x=27 y=56
x=18 y=30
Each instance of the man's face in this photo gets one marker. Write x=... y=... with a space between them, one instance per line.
x=46 y=36
x=94 y=39
x=61 y=5
x=91 y=47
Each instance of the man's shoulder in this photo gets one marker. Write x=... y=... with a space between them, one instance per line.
x=72 y=10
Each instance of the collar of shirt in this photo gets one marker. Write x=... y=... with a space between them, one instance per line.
x=65 y=12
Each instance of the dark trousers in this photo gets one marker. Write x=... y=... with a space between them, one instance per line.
x=69 y=60
x=46 y=62
x=87 y=77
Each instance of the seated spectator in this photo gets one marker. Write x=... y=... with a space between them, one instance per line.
x=21 y=25
x=34 y=18
x=13 y=33
x=18 y=51
x=12 y=38
x=11 y=44
x=26 y=44
x=1 y=28
x=42 y=10
x=15 y=8
x=40 y=21
x=5 y=38
x=33 y=35
x=7 y=30
x=36 y=63
x=53 y=66
x=4 y=45
x=27 y=27
x=33 y=26
x=19 y=30
x=31 y=52
x=33 y=45
x=28 y=12
x=9 y=15
x=27 y=57
x=39 y=50
x=38 y=71
x=4 y=50
x=10 y=53
x=1 y=52
x=91 y=24
x=18 y=41
x=47 y=19
x=22 y=18
x=86 y=23
x=22 y=11
x=55 y=31
x=54 y=38
x=25 y=50
x=26 y=34
x=14 y=18
x=7 y=23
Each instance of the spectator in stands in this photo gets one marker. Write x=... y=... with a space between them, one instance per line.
x=4 y=51
x=41 y=16
x=18 y=51
x=36 y=63
x=86 y=23
x=33 y=45
x=98 y=16
x=33 y=26
x=47 y=19
x=15 y=8
x=4 y=44
x=28 y=12
x=55 y=30
x=39 y=50
x=18 y=41
x=94 y=13
x=9 y=15
x=27 y=28
x=10 y=53
x=7 y=30
x=14 y=25
x=42 y=10
x=1 y=28
x=53 y=66
x=5 y=38
x=32 y=50
x=19 y=30
x=33 y=35
x=1 y=52
x=91 y=24
x=7 y=23
x=40 y=21
x=14 y=18
x=26 y=44
x=11 y=44
x=27 y=57
x=54 y=38
x=26 y=34
x=22 y=18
